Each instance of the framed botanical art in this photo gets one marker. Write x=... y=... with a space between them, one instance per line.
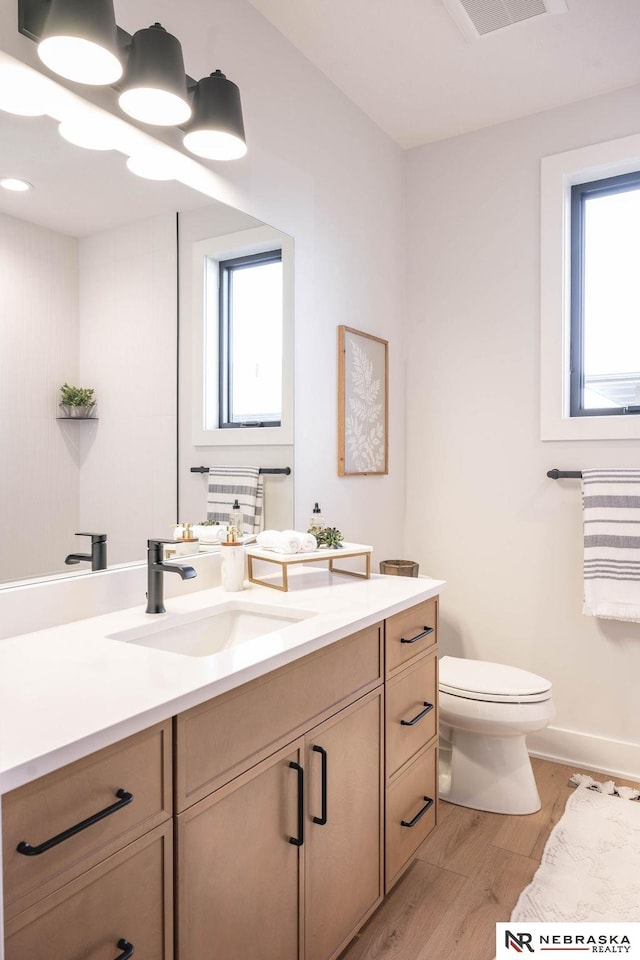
x=363 y=399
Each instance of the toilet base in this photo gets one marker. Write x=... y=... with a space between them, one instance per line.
x=488 y=773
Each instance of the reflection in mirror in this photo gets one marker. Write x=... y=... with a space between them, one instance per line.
x=207 y=246
x=88 y=295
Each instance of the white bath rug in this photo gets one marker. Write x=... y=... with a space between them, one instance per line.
x=590 y=868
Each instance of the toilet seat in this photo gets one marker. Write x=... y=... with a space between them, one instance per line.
x=491 y=682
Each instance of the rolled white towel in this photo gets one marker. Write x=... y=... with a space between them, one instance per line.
x=293 y=539
x=309 y=543
x=285 y=541
x=267 y=538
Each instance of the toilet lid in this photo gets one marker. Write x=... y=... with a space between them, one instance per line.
x=495 y=682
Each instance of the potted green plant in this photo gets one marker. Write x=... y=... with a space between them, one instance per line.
x=77 y=401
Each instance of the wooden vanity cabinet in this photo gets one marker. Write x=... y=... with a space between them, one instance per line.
x=411 y=734
x=265 y=863
x=300 y=798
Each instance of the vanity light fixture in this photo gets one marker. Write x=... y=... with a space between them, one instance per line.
x=79 y=41
x=15 y=184
x=155 y=84
x=75 y=35
x=216 y=129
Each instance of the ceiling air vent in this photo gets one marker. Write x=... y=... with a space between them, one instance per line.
x=478 y=18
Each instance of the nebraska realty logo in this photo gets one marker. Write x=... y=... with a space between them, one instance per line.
x=559 y=939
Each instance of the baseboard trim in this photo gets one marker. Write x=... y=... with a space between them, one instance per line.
x=616 y=757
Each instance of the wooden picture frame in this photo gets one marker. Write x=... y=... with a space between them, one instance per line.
x=363 y=403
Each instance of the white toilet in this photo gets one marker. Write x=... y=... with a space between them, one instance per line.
x=486 y=710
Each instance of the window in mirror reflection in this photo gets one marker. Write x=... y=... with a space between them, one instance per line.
x=241 y=322
x=250 y=314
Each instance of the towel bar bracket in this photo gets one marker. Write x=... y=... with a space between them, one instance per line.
x=564 y=474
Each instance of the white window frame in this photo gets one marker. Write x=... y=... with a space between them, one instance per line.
x=558 y=174
x=206 y=255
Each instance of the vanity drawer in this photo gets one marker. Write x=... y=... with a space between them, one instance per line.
x=411 y=711
x=217 y=741
x=127 y=897
x=410 y=633
x=406 y=823
x=46 y=808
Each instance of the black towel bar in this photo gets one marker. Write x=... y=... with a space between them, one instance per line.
x=271 y=470
x=564 y=474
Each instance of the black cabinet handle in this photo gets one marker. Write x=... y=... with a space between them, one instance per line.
x=323 y=819
x=428 y=707
x=299 y=840
x=425 y=633
x=127 y=948
x=23 y=847
x=419 y=814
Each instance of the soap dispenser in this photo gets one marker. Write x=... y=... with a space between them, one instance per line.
x=232 y=565
x=317 y=520
x=236 y=519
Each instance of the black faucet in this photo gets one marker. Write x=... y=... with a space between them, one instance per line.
x=98 y=556
x=156 y=567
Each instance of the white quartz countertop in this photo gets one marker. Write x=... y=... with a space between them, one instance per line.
x=69 y=690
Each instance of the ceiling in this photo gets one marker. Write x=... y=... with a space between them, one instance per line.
x=409 y=67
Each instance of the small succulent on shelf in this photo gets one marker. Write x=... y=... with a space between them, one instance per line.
x=77 y=401
x=77 y=396
x=328 y=537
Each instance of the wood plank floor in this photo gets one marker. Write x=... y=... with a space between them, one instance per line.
x=466 y=877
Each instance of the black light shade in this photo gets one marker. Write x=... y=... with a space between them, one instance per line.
x=216 y=129
x=155 y=85
x=79 y=41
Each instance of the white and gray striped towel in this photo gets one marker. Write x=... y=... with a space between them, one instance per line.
x=244 y=484
x=611 y=503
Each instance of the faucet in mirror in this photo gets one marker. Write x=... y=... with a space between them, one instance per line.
x=98 y=556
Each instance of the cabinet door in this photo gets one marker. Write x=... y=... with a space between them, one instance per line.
x=343 y=846
x=238 y=871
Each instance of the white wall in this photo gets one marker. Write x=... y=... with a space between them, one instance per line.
x=39 y=456
x=481 y=512
x=128 y=352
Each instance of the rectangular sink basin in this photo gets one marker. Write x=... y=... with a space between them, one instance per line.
x=205 y=632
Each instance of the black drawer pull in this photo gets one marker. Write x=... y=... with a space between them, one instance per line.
x=323 y=818
x=127 y=948
x=299 y=840
x=124 y=797
x=425 y=633
x=419 y=814
x=428 y=707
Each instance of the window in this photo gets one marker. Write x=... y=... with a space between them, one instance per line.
x=250 y=349
x=239 y=318
x=605 y=364
x=605 y=297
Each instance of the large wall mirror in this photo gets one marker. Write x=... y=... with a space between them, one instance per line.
x=89 y=295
